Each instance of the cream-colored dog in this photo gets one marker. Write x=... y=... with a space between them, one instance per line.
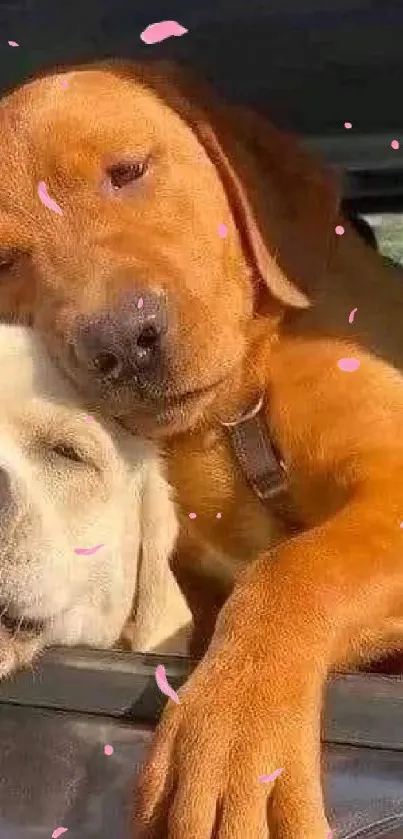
x=87 y=523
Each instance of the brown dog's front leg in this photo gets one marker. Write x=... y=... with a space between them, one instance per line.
x=253 y=704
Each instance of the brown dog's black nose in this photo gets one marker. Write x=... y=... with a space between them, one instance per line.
x=125 y=341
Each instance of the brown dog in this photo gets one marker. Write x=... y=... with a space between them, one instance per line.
x=176 y=330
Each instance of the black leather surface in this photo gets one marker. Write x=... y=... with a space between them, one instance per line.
x=54 y=727
x=53 y=772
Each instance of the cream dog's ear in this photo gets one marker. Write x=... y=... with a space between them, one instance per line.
x=161 y=620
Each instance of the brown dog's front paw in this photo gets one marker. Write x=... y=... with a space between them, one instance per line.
x=211 y=765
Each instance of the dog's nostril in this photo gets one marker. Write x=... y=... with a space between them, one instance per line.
x=148 y=338
x=106 y=363
x=123 y=345
x=147 y=345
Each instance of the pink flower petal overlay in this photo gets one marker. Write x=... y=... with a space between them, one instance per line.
x=13 y=44
x=351 y=315
x=87 y=551
x=266 y=779
x=163 y=684
x=58 y=832
x=222 y=230
x=108 y=750
x=156 y=32
x=348 y=365
x=47 y=200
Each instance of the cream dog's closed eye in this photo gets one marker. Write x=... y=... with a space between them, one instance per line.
x=87 y=523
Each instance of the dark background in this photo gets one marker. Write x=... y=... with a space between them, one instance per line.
x=313 y=65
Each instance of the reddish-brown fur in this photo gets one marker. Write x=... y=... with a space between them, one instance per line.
x=264 y=310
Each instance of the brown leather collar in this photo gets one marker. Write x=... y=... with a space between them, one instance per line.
x=258 y=458
x=260 y=461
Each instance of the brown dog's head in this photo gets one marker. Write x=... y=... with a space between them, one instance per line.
x=174 y=224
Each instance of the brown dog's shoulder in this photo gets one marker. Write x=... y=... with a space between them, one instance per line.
x=335 y=411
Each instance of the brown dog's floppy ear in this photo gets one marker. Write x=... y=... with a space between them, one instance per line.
x=265 y=260
x=284 y=205
x=289 y=206
x=297 y=203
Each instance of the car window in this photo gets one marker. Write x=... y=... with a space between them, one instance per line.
x=388 y=229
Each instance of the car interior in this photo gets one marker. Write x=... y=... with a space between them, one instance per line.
x=332 y=72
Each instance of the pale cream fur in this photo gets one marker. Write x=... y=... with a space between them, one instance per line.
x=117 y=497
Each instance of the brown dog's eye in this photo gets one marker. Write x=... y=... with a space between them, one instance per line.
x=8 y=258
x=124 y=174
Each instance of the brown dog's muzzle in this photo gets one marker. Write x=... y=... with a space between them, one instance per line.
x=125 y=344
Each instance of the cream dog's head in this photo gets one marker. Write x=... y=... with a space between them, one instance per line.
x=80 y=502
